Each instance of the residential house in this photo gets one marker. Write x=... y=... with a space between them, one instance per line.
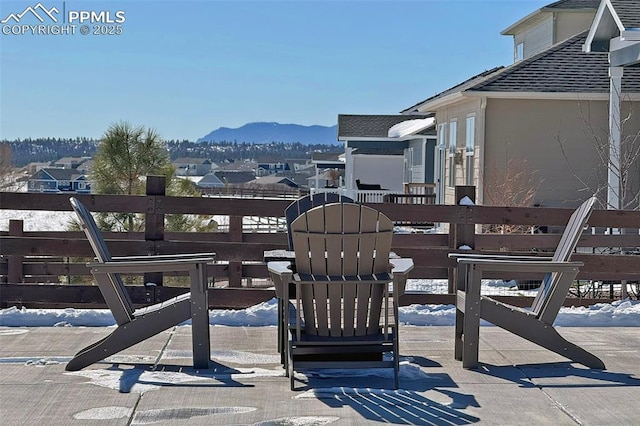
x=544 y=117
x=234 y=177
x=266 y=169
x=274 y=180
x=192 y=166
x=210 y=181
x=58 y=180
x=401 y=146
x=69 y=162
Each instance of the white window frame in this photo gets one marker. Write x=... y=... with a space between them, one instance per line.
x=453 y=136
x=519 y=52
x=470 y=147
x=440 y=174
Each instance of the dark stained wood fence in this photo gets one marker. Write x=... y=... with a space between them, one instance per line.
x=32 y=262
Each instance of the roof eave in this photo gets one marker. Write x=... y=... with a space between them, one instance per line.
x=578 y=96
x=431 y=106
x=510 y=30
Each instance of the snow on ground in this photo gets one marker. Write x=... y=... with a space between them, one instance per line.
x=623 y=313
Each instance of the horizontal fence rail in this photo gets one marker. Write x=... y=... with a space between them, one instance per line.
x=35 y=265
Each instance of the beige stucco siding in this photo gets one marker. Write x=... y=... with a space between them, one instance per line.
x=539 y=131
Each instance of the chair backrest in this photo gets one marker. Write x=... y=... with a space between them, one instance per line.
x=115 y=293
x=308 y=202
x=344 y=248
x=554 y=289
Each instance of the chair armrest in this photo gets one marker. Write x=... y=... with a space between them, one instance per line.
x=281 y=275
x=400 y=271
x=165 y=257
x=148 y=265
x=498 y=256
x=489 y=264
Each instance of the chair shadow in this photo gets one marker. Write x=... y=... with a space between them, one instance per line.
x=404 y=406
x=407 y=405
x=133 y=376
x=601 y=378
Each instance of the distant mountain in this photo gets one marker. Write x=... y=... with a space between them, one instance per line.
x=274 y=132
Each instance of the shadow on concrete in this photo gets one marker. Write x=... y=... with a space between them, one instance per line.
x=133 y=376
x=580 y=377
x=402 y=406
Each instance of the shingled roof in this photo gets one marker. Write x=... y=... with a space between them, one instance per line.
x=371 y=126
x=457 y=88
x=563 y=68
x=573 y=4
x=628 y=11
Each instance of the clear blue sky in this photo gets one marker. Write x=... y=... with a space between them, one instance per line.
x=186 y=68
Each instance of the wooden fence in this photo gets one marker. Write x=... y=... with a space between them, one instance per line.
x=32 y=262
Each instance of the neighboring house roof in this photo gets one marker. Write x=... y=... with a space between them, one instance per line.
x=369 y=126
x=210 y=180
x=234 y=176
x=271 y=180
x=60 y=174
x=563 y=68
x=188 y=160
x=325 y=156
x=380 y=151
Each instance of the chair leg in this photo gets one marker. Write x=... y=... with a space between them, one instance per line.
x=290 y=367
x=130 y=333
x=396 y=360
x=200 y=317
x=461 y=277
x=471 y=320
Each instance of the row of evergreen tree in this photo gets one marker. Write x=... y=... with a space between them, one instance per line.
x=24 y=151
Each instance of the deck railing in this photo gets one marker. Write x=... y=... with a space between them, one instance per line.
x=30 y=259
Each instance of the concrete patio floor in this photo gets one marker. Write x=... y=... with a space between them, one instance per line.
x=152 y=383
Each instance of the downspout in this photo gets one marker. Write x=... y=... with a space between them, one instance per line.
x=481 y=148
x=614 y=196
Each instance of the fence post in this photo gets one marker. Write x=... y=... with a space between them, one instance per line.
x=235 y=266
x=461 y=234
x=15 y=262
x=154 y=223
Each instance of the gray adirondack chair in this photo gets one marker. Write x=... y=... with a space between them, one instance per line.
x=293 y=210
x=136 y=325
x=534 y=324
x=343 y=305
x=303 y=204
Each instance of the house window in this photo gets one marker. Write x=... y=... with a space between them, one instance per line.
x=440 y=163
x=453 y=133
x=470 y=143
x=519 y=52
